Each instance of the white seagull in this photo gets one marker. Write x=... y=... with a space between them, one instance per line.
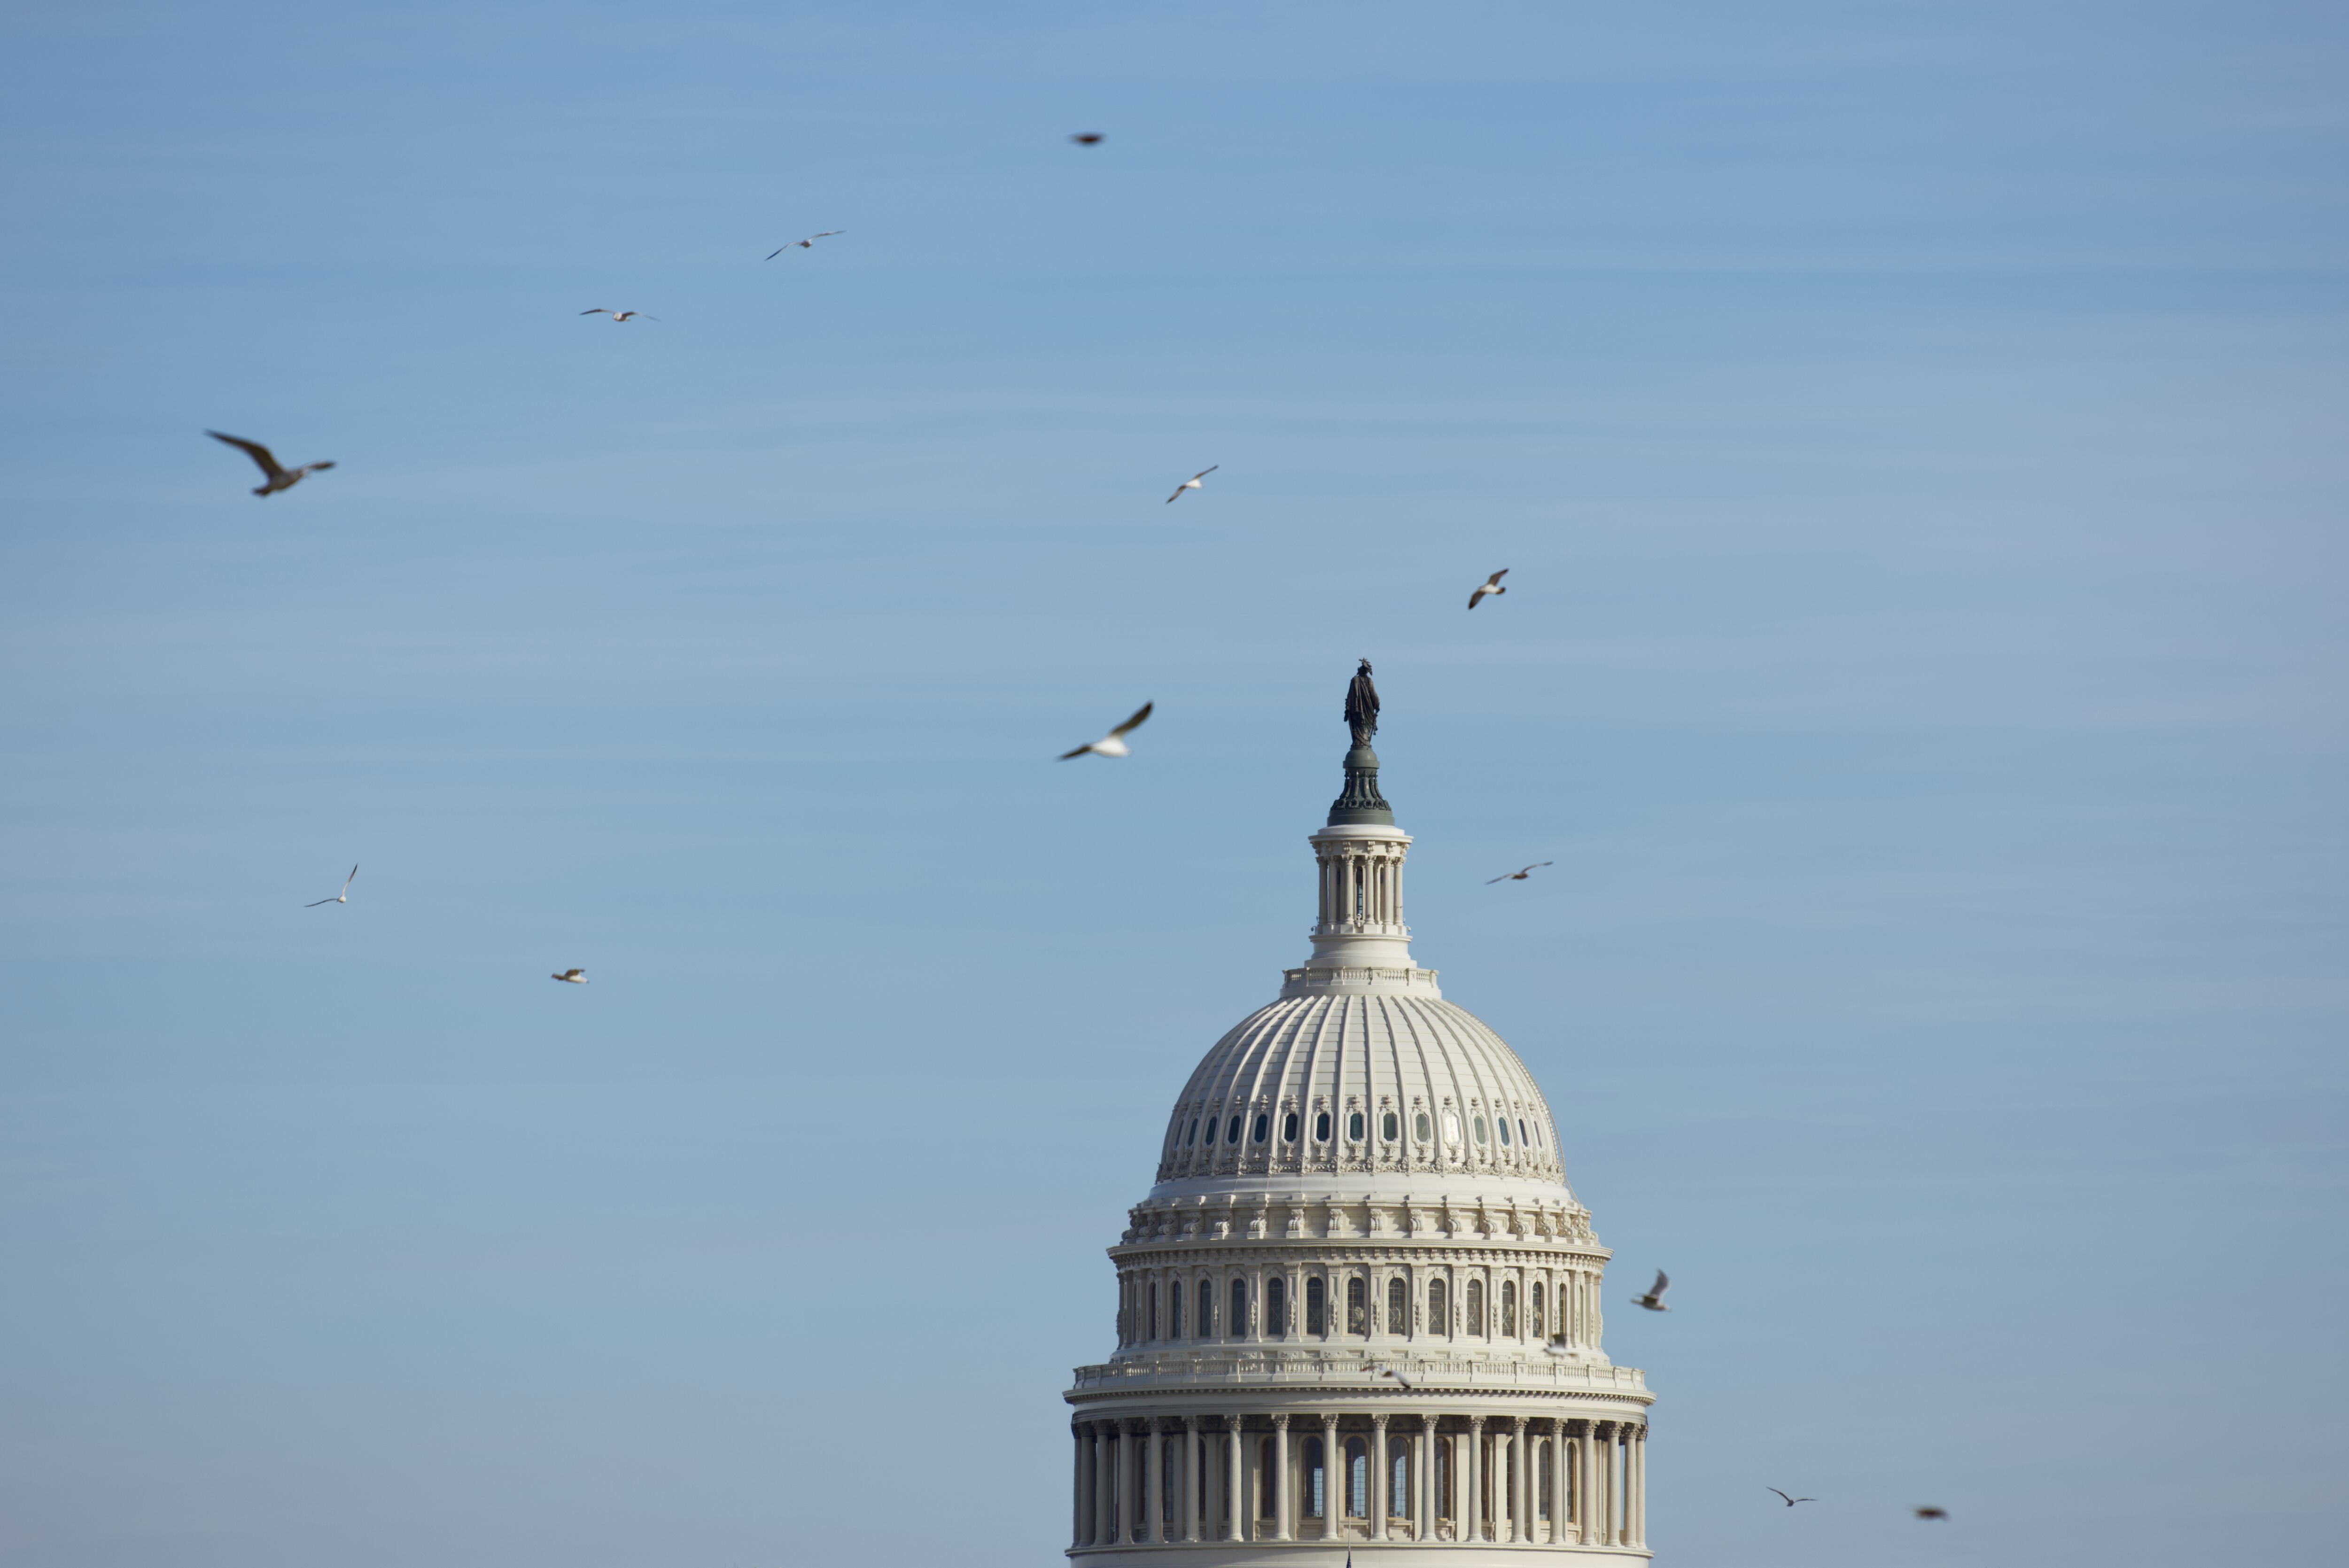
x=1382 y=1370
x=342 y=897
x=1654 y=1300
x=1492 y=585
x=1520 y=876
x=1113 y=742
x=1790 y=1501
x=618 y=314
x=279 y=477
x=806 y=244
x=576 y=976
x=1191 y=483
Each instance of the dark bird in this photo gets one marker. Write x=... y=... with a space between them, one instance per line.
x=342 y=897
x=1654 y=1300
x=618 y=314
x=1941 y=1513
x=1113 y=742
x=279 y=476
x=1790 y=1501
x=1087 y=139
x=806 y=244
x=576 y=976
x=1492 y=585
x=1191 y=483
x=1520 y=876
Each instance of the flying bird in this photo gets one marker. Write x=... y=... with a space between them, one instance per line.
x=1654 y=1300
x=1087 y=139
x=1191 y=483
x=1941 y=1513
x=1790 y=1501
x=1382 y=1370
x=342 y=897
x=1113 y=742
x=279 y=477
x=1492 y=585
x=576 y=976
x=618 y=314
x=806 y=244
x=1558 y=1346
x=1520 y=876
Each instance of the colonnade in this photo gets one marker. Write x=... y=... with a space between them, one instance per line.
x=1165 y=1479
x=1568 y=1297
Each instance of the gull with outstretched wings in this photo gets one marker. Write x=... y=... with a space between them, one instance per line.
x=806 y=244
x=1113 y=742
x=1790 y=1501
x=342 y=897
x=618 y=314
x=575 y=977
x=1492 y=585
x=1380 y=1369
x=1654 y=1300
x=1191 y=483
x=277 y=475
x=1522 y=875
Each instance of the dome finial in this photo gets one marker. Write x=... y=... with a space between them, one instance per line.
x=1361 y=802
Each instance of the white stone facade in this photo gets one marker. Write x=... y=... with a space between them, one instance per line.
x=1359 y=1311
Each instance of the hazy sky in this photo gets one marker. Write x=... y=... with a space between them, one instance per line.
x=1915 y=432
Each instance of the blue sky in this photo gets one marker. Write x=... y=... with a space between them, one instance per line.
x=1914 y=434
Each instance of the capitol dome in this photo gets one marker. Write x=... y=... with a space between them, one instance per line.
x=1359 y=1311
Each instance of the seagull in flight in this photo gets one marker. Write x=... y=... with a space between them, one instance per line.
x=1087 y=139
x=618 y=314
x=1113 y=742
x=1191 y=483
x=1520 y=876
x=576 y=976
x=1790 y=1501
x=342 y=897
x=1941 y=1513
x=1654 y=1300
x=806 y=244
x=279 y=477
x=1492 y=585
x=1558 y=1346
x=1380 y=1369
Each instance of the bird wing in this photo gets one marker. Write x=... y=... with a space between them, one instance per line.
x=777 y=251
x=348 y=881
x=1663 y=1282
x=827 y=235
x=1139 y=715
x=1504 y=876
x=1080 y=751
x=1495 y=580
x=1476 y=598
x=253 y=449
x=1202 y=473
x=599 y=310
x=1790 y=1501
x=322 y=901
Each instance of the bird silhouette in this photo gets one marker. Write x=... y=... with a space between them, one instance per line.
x=1790 y=1501
x=278 y=477
x=576 y=976
x=1087 y=139
x=1492 y=585
x=1113 y=742
x=1191 y=483
x=1941 y=1513
x=1654 y=1300
x=618 y=314
x=806 y=244
x=1521 y=875
x=342 y=897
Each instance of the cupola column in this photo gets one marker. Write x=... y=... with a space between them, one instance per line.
x=1193 y=1478
x=1471 y=1507
x=1284 y=1493
x=1382 y=1499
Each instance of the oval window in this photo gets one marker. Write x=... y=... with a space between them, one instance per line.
x=1390 y=1127
x=1354 y=1126
x=1451 y=1127
x=1321 y=1128
x=1503 y=1123
x=1419 y=1127
x=1192 y=1136
x=1263 y=1125
x=1523 y=1137
x=1232 y=1133
x=1288 y=1128
x=1477 y=1125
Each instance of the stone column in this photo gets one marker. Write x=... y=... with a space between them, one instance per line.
x=1334 y=1482
x=1592 y=1509
x=1189 y=1471
x=1382 y=1490
x=1153 y=1481
x=1472 y=1507
x=1522 y=1478
x=1610 y=1486
x=1423 y=1525
x=1104 y=1482
x=1639 y=1508
x=1561 y=1484
x=1234 y=1491
x=1284 y=1493
x=1078 y=1534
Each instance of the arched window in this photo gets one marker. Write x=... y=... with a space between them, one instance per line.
x=1288 y=1128
x=1390 y=1127
x=1316 y=1499
x=1439 y=1309
x=1523 y=1137
x=1398 y=1306
x=1540 y=1318
x=1508 y=1309
x=1354 y=1126
x=1175 y=1310
x=1154 y=1311
x=1476 y=1308
x=1541 y=1491
x=1205 y=1328
x=1451 y=1127
x=1321 y=1128
x=1357 y=1479
x=1479 y=1125
x=1503 y=1122
x=1276 y=1305
x=1192 y=1136
x=1398 y=1483
x=1232 y=1133
x=1358 y=1308
x=1537 y=1141
x=1264 y=1126
x=1442 y=1478
x=1420 y=1128
x=1236 y=1322
x=1317 y=1306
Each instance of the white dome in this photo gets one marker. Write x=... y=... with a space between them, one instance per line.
x=1396 y=1082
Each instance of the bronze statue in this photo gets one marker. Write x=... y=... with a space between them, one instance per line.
x=1362 y=705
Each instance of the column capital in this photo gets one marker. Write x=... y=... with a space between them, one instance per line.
x=1280 y=1421
x=1431 y=1423
x=1518 y=1422
x=1378 y=1421
x=1476 y=1424
x=1190 y=1423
